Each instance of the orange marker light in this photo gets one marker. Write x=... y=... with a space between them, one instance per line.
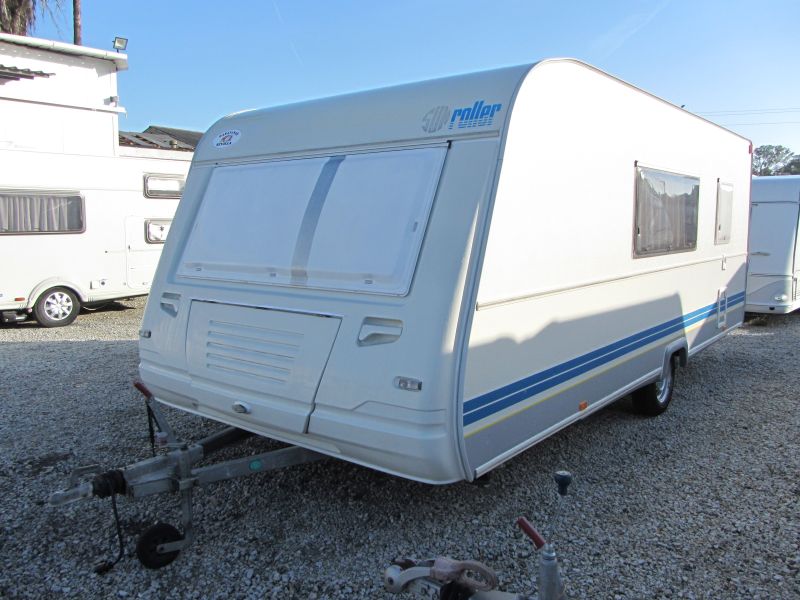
x=19 y=299
x=583 y=405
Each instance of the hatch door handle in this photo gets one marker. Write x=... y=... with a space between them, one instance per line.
x=379 y=331
x=759 y=253
x=170 y=303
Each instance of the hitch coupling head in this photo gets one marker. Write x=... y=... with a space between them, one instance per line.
x=102 y=486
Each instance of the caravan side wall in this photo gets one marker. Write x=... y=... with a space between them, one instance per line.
x=774 y=250
x=107 y=253
x=567 y=318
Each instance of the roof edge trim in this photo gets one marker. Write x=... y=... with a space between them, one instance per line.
x=119 y=59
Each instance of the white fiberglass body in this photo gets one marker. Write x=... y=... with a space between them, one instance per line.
x=774 y=252
x=430 y=278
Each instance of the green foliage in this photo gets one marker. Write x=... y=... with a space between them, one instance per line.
x=19 y=16
x=792 y=167
x=770 y=160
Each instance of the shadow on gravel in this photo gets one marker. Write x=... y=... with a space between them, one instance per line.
x=770 y=320
x=698 y=502
x=113 y=306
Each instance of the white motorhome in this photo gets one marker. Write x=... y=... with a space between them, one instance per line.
x=82 y=219
x=774 y=252
x=428 y=279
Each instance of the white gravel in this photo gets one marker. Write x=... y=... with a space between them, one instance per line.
x=701 y=502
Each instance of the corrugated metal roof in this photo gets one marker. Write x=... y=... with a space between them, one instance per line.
x=15 y=74
x=182 y=135
x=152 y=140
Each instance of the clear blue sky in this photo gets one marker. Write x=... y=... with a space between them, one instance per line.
x=193 y=61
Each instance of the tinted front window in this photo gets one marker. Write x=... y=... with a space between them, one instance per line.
x=348 y=222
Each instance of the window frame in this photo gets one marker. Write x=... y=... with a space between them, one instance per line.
x=717 y=241
x=637 y=254
x=51 y=193
x=190 y=268
x=150 y=240
x=162 y=195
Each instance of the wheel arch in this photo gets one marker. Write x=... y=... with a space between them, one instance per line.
x=678 y=347
x=52 y=282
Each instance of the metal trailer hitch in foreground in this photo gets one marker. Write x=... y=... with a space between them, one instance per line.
x=174 y=471
x=448 y=579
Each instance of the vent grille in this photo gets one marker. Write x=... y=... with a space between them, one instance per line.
x=266 y=354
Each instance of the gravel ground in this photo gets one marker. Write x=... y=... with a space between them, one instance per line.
x=701 y=502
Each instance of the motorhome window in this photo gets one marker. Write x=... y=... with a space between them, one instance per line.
x=23 y=212
x=163 y=186
x=156 y=230
x=348 y=222
x=722 y=234
x=666 y=212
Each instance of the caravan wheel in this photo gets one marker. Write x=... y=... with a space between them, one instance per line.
x=57 y=307
x=653 y=399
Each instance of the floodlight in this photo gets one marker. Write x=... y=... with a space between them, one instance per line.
x=120 y=43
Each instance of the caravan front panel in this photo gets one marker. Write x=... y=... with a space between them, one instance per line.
x=774 y=250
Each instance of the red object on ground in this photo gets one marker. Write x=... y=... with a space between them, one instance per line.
x=531 y=532
x=142 y=388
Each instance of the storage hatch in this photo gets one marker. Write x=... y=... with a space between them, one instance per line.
x=257 y=365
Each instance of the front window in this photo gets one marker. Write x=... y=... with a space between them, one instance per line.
x=348 y=222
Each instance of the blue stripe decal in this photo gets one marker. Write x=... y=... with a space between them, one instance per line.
x=513 y=393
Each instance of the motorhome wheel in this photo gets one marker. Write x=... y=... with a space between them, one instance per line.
x=57 y=307
x=653 y=399
x=151 y=539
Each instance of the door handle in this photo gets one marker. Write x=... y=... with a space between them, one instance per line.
x=170 y=302
x=759 y=253
x=379 y=331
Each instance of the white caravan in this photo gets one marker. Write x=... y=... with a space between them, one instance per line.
x=81 y=230
x=82 y=219
x=428 y=279
x=774 y=251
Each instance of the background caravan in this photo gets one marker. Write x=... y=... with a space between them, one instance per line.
x=774 y=252
x=89 y=230
x=430 y=278
x=83 y=210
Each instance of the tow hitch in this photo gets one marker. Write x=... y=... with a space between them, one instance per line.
x=449 y=579
x=174 y=471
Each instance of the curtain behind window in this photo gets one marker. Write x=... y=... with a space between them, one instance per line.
x=666 y=212
x=29 y=212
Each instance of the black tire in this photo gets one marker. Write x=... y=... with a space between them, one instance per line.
x=654 y=398
x=57 y=307
x=147 y=546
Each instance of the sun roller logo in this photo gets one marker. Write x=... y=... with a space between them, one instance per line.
x=479 y=114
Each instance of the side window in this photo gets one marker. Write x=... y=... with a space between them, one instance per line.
x=163 y=186
x=156 y=230
x=722 y=234
x=29 y=212
x=665 y=219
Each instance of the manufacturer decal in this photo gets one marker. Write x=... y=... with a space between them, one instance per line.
x=480 y=114
x=435 y=119
x=227 y=138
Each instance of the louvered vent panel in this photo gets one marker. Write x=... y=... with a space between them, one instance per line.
x=267 y=354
